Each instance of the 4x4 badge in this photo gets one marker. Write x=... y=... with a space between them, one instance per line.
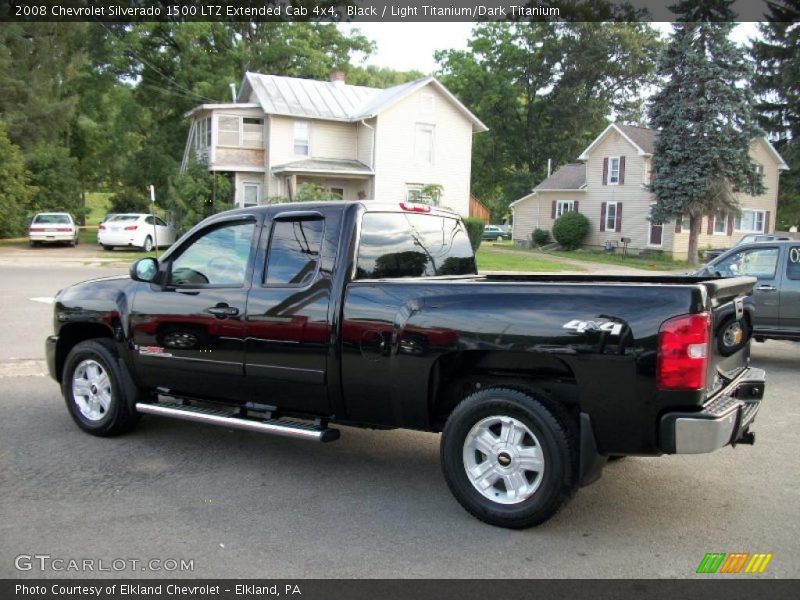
x=583 y=326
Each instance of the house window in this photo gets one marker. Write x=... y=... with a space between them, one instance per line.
x=613 y=170
x=252 y=194
x=228 y=129
x=760 y=169
x=423 y=144
x=337 y=191
x=301 y=138
x=415 y=192
x=240 y=131
x=202 y=136
x=252 y=132
x=686 y=223
x=750 y=221
x=564 y=206
x=611 y=216
x=648 y=172
x=721 y=224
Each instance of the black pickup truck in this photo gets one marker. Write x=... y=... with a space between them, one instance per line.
x=288 y=319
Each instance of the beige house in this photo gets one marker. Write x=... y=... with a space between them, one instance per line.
x=609 y=186
x=356 y=142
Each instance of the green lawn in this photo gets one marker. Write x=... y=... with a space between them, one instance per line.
x=649 y=263
x=503 y=257
x=97 y=205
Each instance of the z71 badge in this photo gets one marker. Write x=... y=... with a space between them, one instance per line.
x=584 y=326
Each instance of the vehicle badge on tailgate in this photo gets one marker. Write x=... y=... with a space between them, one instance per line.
x=583 y=326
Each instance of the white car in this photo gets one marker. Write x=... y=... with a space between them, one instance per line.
x=135 y=230
x=53 y=227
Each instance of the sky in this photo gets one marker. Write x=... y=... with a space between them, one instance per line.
x=410 y=46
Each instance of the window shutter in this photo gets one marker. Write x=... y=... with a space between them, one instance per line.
x=619 y=217
x=710 y=229
x=605 y=170
x=766 y=222
x=576 y=208
x=678 y=225
x=730 y=224
x=553 y=210
x=603 y=214
x=621 y=170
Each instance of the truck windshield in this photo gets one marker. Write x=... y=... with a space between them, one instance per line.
x=395 y=245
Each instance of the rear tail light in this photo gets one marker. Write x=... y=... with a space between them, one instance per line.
x=37 y=229
x=418 y=208
x=683 y=352
x=64 y=229
x=102 y=227
x=131 y=228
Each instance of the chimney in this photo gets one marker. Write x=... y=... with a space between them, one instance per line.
x=337 y=77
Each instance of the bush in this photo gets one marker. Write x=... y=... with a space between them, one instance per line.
x=474 y=231
x=570 y=229
x=540 y=237
x=129 y=200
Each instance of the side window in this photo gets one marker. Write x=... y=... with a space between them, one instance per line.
x=294 y=252
x=756 y=262
x=395 y=245
x=149 y=220
x=793 y=263
x=218 y=257
x=160 y=223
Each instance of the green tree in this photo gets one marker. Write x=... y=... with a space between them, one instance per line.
x=15 y=191
x=307 y=192
x=196 y=194
x=777 y=88
x=54 y=173
x=704 y=113
x=545 y=90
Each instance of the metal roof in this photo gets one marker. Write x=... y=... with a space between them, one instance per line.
x=312 y=99
x=308 y=98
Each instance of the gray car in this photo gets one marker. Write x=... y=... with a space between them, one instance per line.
x=776 y=265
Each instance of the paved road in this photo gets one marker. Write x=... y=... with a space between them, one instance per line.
x=370 y=505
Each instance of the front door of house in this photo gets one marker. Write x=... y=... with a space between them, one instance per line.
x=656 y=233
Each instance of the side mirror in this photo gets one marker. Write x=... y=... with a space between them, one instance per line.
x=144 y=269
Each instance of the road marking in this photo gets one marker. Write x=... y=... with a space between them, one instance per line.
x=23 y=368
x=43 y=299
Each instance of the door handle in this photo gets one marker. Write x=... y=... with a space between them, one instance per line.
x=765 y=288
x=223 y=310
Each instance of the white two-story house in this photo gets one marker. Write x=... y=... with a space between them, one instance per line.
x=355 y=142
x=610 y=186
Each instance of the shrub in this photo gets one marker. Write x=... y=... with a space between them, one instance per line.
x=570 y=229
x=474 y=231
x=129 y=200
x=540 y=237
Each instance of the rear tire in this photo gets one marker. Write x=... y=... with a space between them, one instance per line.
x=148 y=244
x=100 y=396
x=107 y=247
x=508 y=459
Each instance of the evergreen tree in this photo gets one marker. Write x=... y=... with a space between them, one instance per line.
x=705 y=117
x=777 y=89
x=15 y=191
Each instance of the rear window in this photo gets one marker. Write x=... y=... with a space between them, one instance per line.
x=60 y=219
x=395 y=245
x=124 y=218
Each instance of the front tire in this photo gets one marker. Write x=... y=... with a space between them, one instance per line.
x=99 y=395
x=508 y=459
x=148 y=244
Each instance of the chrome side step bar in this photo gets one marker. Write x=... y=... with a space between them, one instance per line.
x=209 y=416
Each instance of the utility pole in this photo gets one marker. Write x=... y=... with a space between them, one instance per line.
x=153 y=214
